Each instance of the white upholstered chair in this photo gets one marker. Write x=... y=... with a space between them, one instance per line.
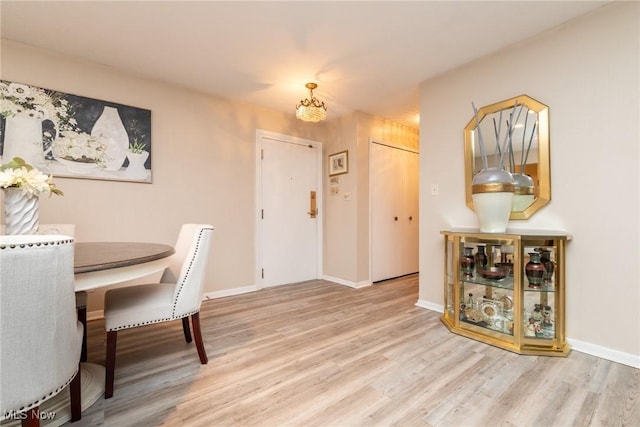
x=40 y=346
x=177 y=296
x=81 y=296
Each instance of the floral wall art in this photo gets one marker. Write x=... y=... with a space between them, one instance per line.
x=73 y=136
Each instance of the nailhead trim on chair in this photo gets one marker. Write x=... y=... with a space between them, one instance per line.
x=43 y=398
x=24 y=245
x=150 y=322
x=188 y=271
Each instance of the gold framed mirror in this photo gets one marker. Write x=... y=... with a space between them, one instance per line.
x=530 y=142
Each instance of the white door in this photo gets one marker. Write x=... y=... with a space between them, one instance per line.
x=289 y=224
x=410 y=241
x=394 y=211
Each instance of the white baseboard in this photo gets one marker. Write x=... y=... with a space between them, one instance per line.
x=430 y=306
x=581 y=346
x=229 y=292
x=351 y=284
x=628 y=359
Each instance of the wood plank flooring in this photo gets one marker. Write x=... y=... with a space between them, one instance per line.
x=321 y=354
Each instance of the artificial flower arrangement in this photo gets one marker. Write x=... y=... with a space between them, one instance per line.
x=17 y=173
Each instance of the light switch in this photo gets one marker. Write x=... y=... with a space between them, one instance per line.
x=435 y=189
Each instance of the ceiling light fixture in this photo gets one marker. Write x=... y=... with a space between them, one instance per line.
x=311 y=110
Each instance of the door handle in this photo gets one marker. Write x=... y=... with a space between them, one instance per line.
x=313 y=209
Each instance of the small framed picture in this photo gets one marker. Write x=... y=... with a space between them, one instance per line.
x=339 y=163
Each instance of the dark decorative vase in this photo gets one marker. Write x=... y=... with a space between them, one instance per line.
x=549 y=266
x=467 y=262
x=481 y=258
x=534 y=270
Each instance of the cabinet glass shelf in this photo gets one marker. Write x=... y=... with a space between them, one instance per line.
x=506 y=283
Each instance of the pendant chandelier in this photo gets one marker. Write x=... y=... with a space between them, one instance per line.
x=310 y=109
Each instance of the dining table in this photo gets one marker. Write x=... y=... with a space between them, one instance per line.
x=100 y=264
x=97 y=265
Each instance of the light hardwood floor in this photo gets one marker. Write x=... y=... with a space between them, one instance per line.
x=321 y=354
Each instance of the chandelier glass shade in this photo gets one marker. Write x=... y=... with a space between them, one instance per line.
x=311 y=109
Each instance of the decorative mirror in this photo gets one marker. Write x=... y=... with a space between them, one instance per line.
x=529 y=142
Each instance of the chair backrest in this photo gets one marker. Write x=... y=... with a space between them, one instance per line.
x=187 y=268
x=39 y=340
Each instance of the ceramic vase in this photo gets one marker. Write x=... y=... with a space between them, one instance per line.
x=534 y=270
x=492 y=194
x=548 y=264
x=23 y=138
x=136 y=167
x=523 y=192
x=109 y=127
x=21 y=213
x=481 y=258
x=467 y=262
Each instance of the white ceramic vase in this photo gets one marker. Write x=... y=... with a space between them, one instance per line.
x=523 y=193
x=492 y=194
x=109 y=126
x=21 y=212
x=23 y=138
x=136 y=167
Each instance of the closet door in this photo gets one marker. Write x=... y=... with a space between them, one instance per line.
x=384 y=212
x=394 y=211
x=410 y=239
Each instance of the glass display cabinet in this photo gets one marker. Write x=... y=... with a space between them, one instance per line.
x=507 y=289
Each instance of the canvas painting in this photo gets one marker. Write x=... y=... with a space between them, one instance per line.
x=74 y=136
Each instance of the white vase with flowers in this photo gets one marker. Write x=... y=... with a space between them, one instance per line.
x=22 y=184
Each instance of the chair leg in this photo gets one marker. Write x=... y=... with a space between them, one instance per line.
x=76 y=396
x=185 y=328
x=195 y=319
x=82 y=318
x=112 y=337
x=32 y=419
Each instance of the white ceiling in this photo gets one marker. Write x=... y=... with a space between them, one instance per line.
x=365 y=55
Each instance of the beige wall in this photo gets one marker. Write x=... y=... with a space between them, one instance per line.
x=587 y=72
x=203 y=164
x=340 y=215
